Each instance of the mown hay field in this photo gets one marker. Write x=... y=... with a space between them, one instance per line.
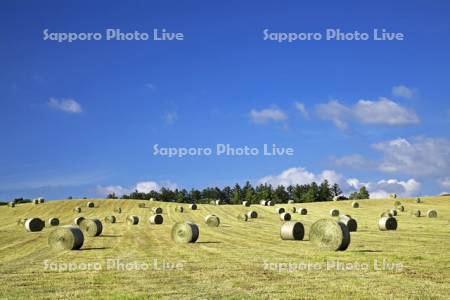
x=238 y=259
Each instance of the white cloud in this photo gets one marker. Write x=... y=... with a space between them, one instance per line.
x=302 y=109
x=444 y=182
x=66 y=105
x=379 y=189
x=355 y=161
x=402 y=91
x=266 y=115
x=418 y=156
x=382 y=111
x=170 y=117
x=142 y=187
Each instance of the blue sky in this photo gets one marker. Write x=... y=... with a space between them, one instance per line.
x=81 y=118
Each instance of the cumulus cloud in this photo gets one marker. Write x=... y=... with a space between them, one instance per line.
x=378 y=189
x=266 y=115
x=355 y=161
x=382 y=111
x=418 y=156
x=66 y=105
x=142 y=187
x=402 y=91
x=302 y=109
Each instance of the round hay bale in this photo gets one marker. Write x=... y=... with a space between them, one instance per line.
x=91 y=227
x=132 y=220
x=156 y=219
x=252 y=214
x=157 y=210
x=12 y=204
x=416 y=213
x=394 y=212
x=90 y=204
x=292 y=231
x=401 y=208
x=218 y=202
x=290 y=201
x=386 y=214
x=212 y=220
x=393 y=196
x=397 y=203
x=329 y=235
x=280 y=210
x=185 y=232
x=387 y=223
x=77 y=209
x=141 y=205
x=418 y=200
x=77 y=221
x=334 y=212
x=270 y=203
x=118 y=210
x=212 y=202
x=179 y=209
x=263 y=202
x=294 y=209
x=111 y=219
x=36 y=201
x=53 y=221
x=348 y=221
x=355 y=204
x=432 y=213
x=41 y=200
x=193 y=206
x=302 y=211
x=246 y=203
x=242 y=217
x=66 y=238
x=285 y=216
x=34 y=224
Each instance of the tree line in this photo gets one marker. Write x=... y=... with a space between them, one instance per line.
x=312 y=192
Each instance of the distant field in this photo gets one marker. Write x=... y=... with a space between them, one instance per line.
x=236 y=260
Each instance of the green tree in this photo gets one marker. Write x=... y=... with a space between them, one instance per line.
x=363 y=193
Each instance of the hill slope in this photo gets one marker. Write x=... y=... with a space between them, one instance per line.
x=237 y=259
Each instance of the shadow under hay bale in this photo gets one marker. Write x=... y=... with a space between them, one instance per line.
x=292 y=231
x=185 y=232
x=329 y=235
x=66 y=238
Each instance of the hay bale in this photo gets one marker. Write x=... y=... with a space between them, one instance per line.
x=77 y=210
x=270 y=203
x=218 y=202
x=263 y=203
x=212 y=202
x=212 y=220
x=77 y=221
x=290 y=201
x=156 y=219
x=141 y=205
x=292 y=231
x=91 y=227
x=179 y=209
x=393 y=212
x=252 y=214
x=348 y=221
x=36 y=201
x=53 y=221
x=90 y=204
x=285 y=216
x=302 y=211
x=418 y=200
x=387 y=223
x=193 y=206
x=246 y=203
x=12 y=204
x=242 y=217
x=111 y=219
x=132 y=220
x=432 y=213
x=41 y=200
x=401 y=208
x=66 y=238
x=34 y=224
x=157 y=210
x=185 y=232
x=393 y=196
x=334 y=212
x=397 y=203
x=329 y=235
x=416 y=213
x=294 y=209
x=280 y=210
x=355 y=204
x=118 y=210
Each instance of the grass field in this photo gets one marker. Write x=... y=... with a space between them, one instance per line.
x=235 y=260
